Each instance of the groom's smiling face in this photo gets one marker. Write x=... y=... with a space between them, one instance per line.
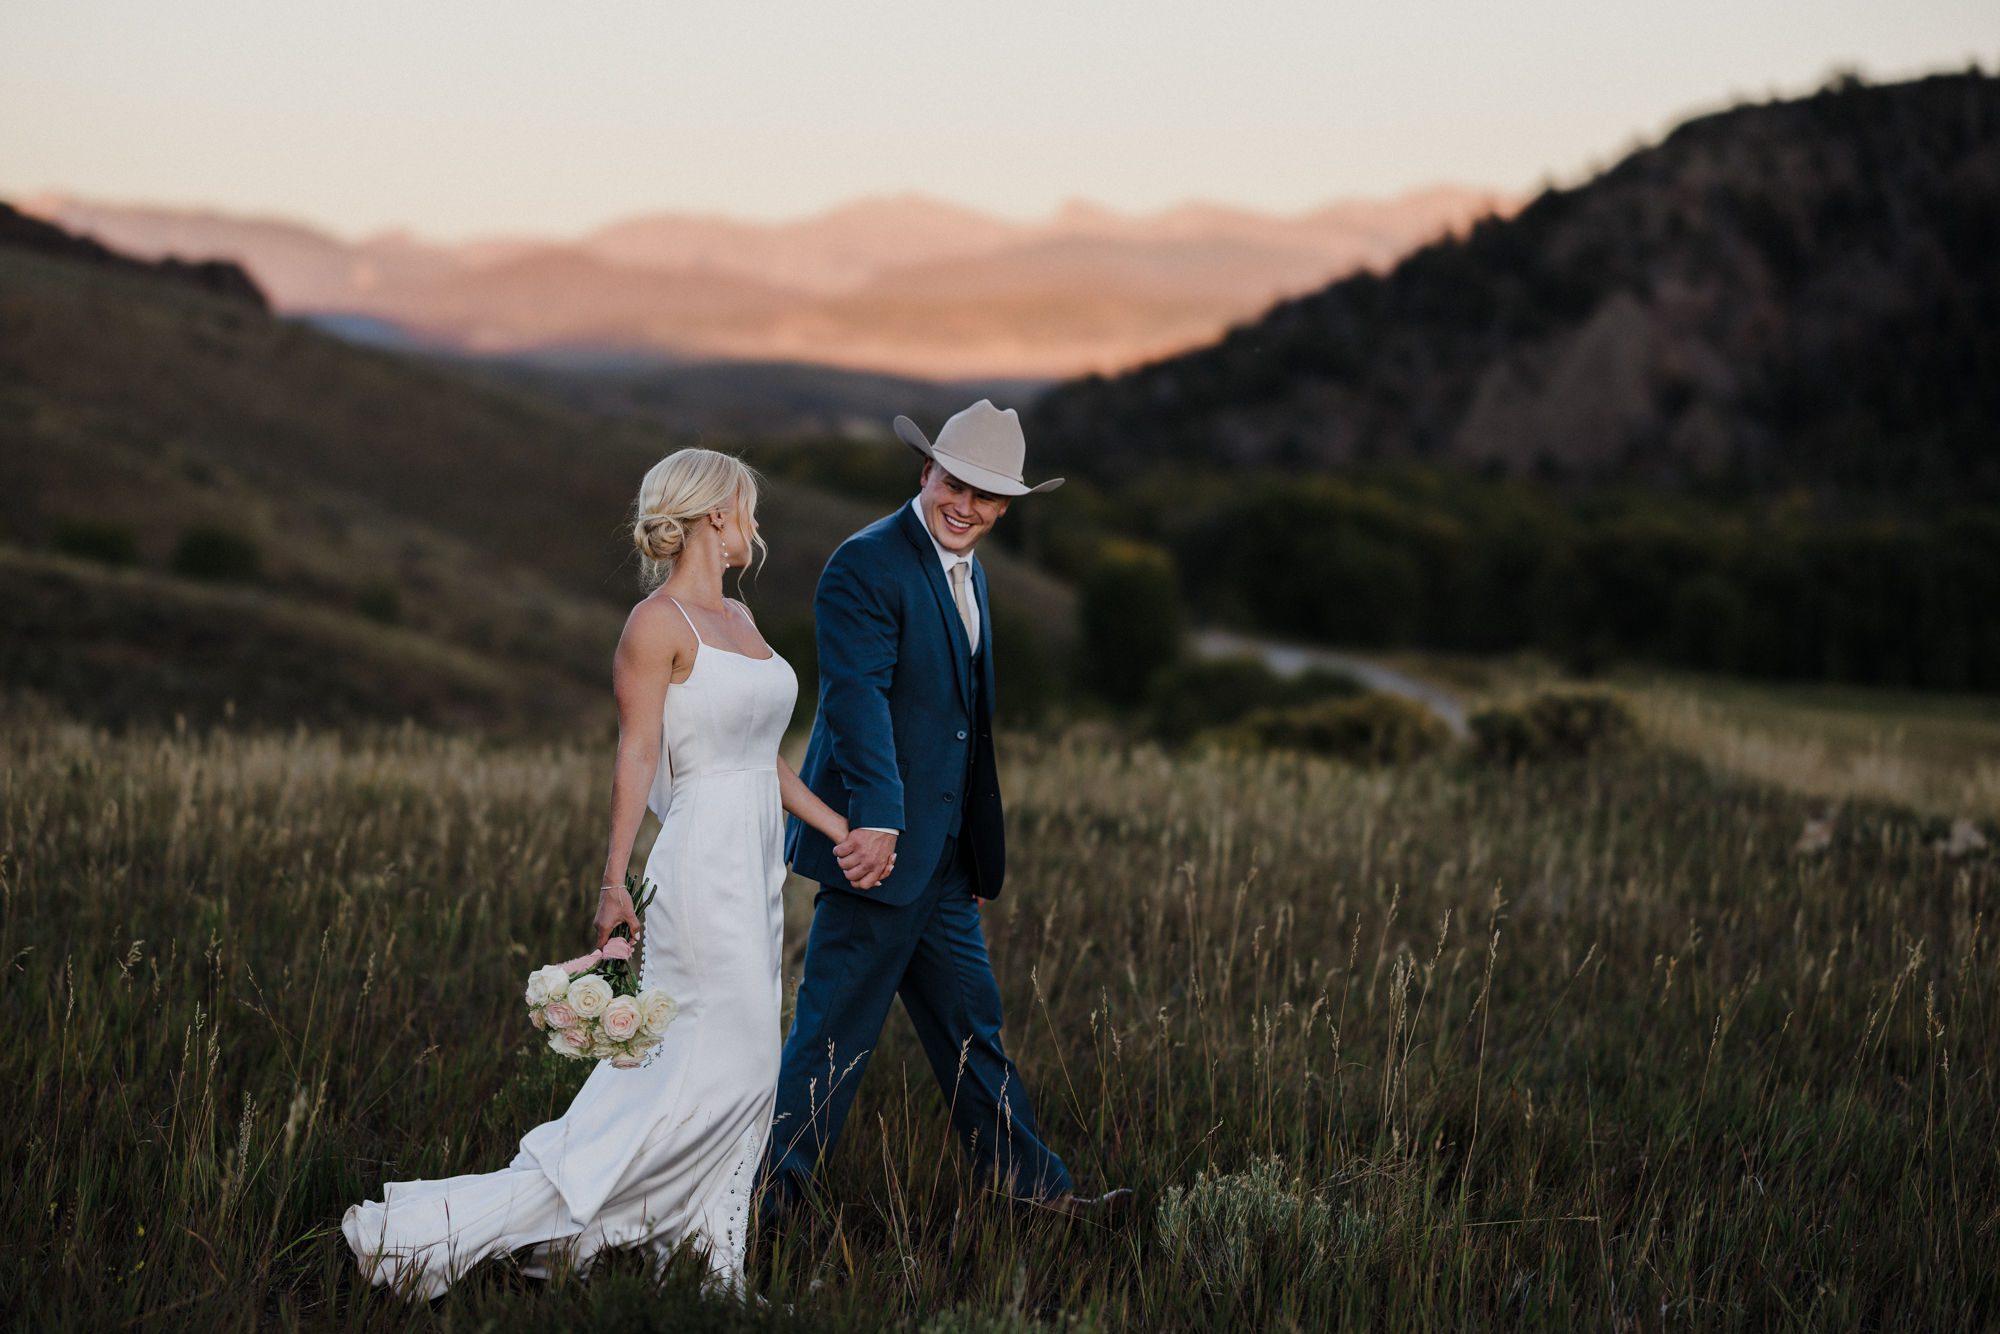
x=957 y=515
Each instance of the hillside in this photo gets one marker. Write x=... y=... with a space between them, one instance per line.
x=742 y=400
x=1798 y=293
x=19 y=231
x=121 y=646
x=484 y=520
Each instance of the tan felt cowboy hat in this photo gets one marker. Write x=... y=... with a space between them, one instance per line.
x=981 y=446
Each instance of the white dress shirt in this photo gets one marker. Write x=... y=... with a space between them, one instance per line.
x=947 y=559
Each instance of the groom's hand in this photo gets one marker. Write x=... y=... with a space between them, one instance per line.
x=867 y=857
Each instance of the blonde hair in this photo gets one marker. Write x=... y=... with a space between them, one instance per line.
x=679 y=490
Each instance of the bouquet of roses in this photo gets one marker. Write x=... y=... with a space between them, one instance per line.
x=592 y=1007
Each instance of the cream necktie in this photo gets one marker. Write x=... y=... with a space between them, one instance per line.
x=962 y=595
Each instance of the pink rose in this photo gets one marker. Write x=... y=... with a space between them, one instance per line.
x=559 y=1014
x=625 y=1061
x=577 y=1038
x=621 y=1019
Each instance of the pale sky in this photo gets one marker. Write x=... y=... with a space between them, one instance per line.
x=458 y=118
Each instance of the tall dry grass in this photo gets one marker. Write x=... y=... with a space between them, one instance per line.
x=1581 y=1047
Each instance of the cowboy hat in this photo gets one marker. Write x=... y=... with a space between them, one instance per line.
x=981 y=446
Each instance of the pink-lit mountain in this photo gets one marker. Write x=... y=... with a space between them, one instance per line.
x=899 y=283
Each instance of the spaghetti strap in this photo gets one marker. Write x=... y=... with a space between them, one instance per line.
x=689 y=619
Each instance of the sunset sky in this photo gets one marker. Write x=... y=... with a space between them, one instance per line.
x=456 y=118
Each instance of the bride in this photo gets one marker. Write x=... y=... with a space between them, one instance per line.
x=665 y=1153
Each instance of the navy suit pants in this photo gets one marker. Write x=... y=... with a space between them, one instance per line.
x=861 y=954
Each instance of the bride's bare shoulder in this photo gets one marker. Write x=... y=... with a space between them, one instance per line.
x=656 y=627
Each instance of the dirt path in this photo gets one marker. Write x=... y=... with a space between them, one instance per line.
x=1292 y=659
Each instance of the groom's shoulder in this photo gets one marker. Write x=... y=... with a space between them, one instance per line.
x=872 y=539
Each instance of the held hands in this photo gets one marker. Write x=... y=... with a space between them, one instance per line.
x=614 y=905
x=866 y=857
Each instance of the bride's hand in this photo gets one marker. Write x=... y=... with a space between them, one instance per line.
x=614 y=905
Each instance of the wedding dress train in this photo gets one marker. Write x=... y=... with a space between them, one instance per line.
x=668 y=1152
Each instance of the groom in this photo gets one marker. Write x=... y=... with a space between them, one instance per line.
x=903 y=744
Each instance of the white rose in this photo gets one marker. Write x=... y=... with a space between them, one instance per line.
x=535 y=1018
x=538 y=990
x=621 y=1019
x=625 y=1060
x=555 y=982
x=559 y=1043
x=656 y=1010
x=589 y=994
x=579 y=1041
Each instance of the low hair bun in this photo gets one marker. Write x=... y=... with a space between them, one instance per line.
x=659 y=537
x=676 y=493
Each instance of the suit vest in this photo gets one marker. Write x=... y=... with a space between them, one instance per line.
x=972 y=749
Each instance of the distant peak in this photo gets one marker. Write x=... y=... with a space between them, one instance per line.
x=902 y=203
x=1077 y=209
x=45 y=204
x=1192 y=210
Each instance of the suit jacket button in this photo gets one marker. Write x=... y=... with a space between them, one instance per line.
x=950 y=796
x=961 y=736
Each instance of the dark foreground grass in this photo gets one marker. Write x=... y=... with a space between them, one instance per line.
x=1583 y=1047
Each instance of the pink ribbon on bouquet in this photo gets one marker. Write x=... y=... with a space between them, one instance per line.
x=618 y=947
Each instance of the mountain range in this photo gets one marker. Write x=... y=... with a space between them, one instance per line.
x=1800 y=293
x=903 y=284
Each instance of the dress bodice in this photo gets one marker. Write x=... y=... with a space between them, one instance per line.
x=729 y=716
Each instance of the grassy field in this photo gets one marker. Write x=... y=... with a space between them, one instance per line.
x=1432 y=1047
x=1933 y=752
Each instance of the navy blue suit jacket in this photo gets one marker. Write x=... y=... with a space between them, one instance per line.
x=904 y=734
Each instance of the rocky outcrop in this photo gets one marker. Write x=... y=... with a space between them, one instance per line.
x=1800 y=293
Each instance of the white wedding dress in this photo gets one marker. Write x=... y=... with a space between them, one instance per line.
x=667 y=1152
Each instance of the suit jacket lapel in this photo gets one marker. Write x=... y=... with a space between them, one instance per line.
x=954 y=628
x=985 y=627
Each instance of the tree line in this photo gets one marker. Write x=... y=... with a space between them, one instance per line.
x=1403 y=556
x=1803 y=585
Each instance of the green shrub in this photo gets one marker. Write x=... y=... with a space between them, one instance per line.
x=1368 y=729
x=379 y=601
x=1131 y=614
x=1243 y=1232
x=1502 y=734
x=1026 y=679
x=216 y=553
x=1553 y=725
x=1195 y=695
x=91 y=539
